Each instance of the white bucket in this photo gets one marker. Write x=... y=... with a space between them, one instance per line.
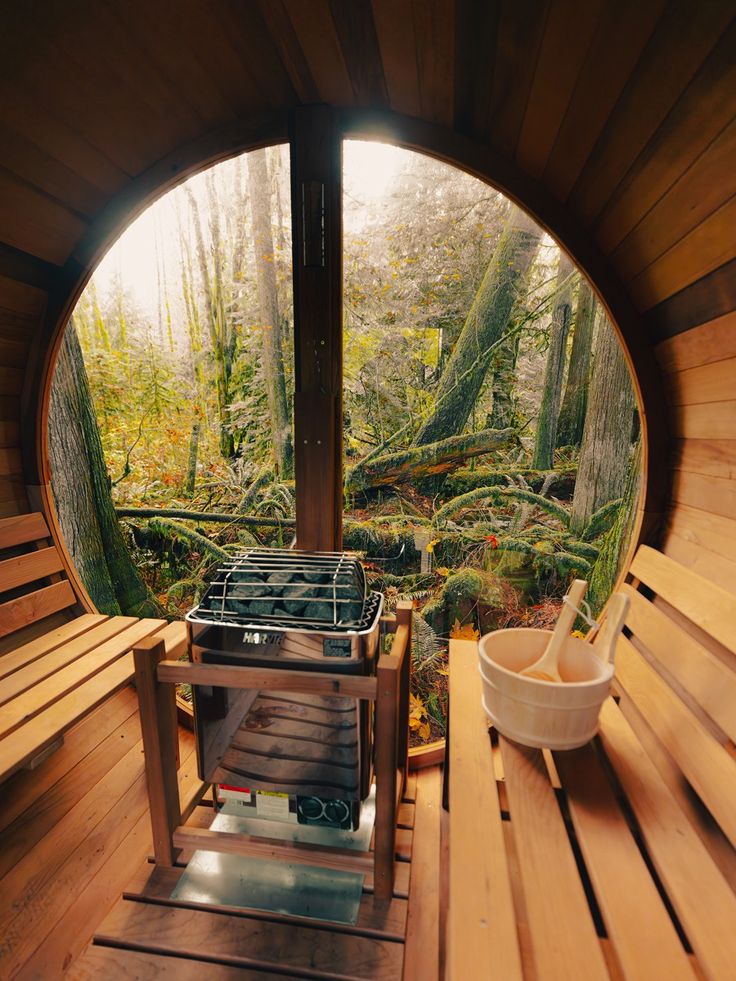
x=542 y=713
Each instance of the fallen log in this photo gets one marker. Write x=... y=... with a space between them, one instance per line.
x=425 y=461
x=215 y=516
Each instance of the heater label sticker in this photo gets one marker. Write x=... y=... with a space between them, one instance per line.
x=336 y=646
x=272 y=805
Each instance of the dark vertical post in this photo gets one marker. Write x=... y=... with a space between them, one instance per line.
x=157 y=707
x=316 y=205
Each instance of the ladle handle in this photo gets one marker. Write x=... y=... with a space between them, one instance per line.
x=618 y=607
x=568 y=613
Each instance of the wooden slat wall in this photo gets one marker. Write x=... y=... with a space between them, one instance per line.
x=20 y=308
x=623 y=112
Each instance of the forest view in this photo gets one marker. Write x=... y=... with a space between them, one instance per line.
x=491 y=437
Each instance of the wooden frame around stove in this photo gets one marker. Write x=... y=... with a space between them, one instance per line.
x=156 y=678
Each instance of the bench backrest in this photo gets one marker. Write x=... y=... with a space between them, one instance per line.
x=33 y=586
x=676 y=676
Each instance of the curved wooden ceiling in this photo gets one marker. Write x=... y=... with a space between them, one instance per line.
x=617 y=115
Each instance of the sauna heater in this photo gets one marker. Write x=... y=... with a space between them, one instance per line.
x=297 y=757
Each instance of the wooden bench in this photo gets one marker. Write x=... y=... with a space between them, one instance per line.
x=615 y=860
x=55 y=664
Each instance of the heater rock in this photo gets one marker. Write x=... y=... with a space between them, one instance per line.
x=248 y=589
x=261 y=608
x=322 y=612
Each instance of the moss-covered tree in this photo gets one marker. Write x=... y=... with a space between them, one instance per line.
x=466 y=369
x=604 y=454
x=81 y=488
x=503 y=366
x=575 y=400
x=545 y=438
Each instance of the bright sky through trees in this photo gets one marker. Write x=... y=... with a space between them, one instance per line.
x=149 y=249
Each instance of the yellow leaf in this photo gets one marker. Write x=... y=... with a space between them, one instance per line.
x=578 y=633
x=424 y=731
x=417 y=711
x=442 y=570
x=431 y=545
x=443 y=671
x=465 y=631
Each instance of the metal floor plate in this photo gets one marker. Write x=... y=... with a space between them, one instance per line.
x=215 y=878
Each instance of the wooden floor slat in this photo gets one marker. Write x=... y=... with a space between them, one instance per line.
x=132 y=965
x=245 y=942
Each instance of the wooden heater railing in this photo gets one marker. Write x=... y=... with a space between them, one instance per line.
x=156 y=679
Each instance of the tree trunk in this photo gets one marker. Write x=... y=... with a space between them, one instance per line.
x=504 y=381
x=191 y=478
x=604 y=453
x=466 y=369
x=222 y=335
x=575 y=401
x=273 y=359
x=608 y=563
x=425 y=461
x=545 y=439
x=81 y=489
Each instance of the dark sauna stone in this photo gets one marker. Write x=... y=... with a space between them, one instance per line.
x=248 y=590
x=351 y=612
x=321 y=612
x=318 y=578
x=295 y=600
x=277 y=580
x=261 y=608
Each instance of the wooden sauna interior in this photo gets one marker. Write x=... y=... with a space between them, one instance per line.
x=614 y=124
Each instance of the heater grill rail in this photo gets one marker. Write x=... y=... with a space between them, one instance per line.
x=321 y=592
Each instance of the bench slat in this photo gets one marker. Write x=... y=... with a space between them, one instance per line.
x=702 y=899
x=39 y=646
x=21 y=529
x=22 y=569
x=643 y=935
x=707 y=765
x=23 y=708
x=481 y=909
x=43 y=667
x=707 y=605
x=42 y=603
x=561 y=928
x=174 y=636
x=28 y=740
x=710 y=682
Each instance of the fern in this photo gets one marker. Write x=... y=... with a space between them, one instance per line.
x=602 y=520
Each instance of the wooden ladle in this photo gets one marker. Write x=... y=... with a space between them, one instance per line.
x=545 y=667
